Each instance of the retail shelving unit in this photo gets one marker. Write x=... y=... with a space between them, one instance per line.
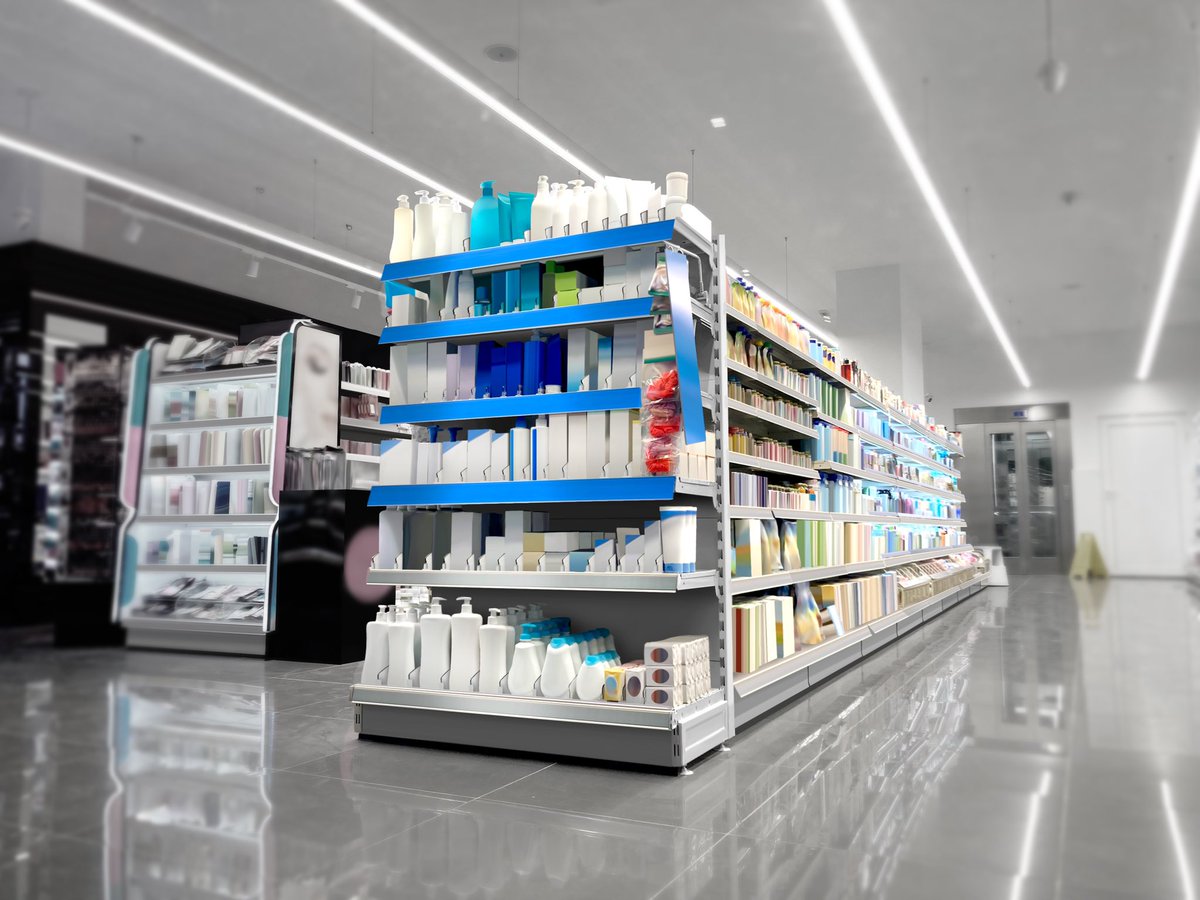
x=639 y=607
x=195 y=624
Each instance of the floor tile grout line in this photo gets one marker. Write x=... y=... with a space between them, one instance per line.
x=515 y=780
x=607 y=818
x=459 y=798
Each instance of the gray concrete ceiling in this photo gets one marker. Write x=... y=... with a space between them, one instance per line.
x=633 y=85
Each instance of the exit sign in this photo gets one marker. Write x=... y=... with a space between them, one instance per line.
x=1020 y=414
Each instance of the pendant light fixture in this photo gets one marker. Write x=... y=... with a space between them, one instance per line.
x=1053 y=72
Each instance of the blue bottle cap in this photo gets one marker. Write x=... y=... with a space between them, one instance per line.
x=558 y=642
x=592 y=660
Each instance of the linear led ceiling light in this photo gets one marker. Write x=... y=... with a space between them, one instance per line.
x=857 y=47
x=414 y=47
x=1170 y=272
x=177 y=201
x=226 y=76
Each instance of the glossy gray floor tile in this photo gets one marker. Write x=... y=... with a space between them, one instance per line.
x=1041 y=741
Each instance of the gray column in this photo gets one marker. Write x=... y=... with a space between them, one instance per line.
x=880 y=327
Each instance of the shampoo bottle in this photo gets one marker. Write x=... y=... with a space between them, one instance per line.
x=460 y=228
x=464 y=646
x=559 y=670
x=376 y=659
x=485 y=219
x=562 y=209
x=541 y=215
x=402 y=231
x=526 y=667
x=443 y=211
x=590 y=685
x=495 y=638
x=578 y=207
x=597 y=207
x=423 y=234
x=404 y=648
x=435 y=647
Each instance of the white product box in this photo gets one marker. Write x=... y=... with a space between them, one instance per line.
x=520 y=454
x=417 y=360
x=635 y=549
x=454 y=461
x=557 y=456
x=479 y=454
x=466 y=541
x=614 y=266
x=493 y=551
x=652 y=554
x=635 y=685
x=620 y=429
x=539 y=451
x=624 y=535
x=661 y=696
x=498 y=469
x=627 y=353
x=435 y=378
x=398 y=463
x=597 y=444
x=577 y=435
x=452 y=377
x=467 y=355
x=398 y=378
x=605 y=557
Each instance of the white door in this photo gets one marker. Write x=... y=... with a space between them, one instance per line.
x=1142 y=459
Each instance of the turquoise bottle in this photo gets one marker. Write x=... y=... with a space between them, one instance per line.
x=485 y=220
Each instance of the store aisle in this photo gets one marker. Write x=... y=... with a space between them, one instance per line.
x=1038 y=741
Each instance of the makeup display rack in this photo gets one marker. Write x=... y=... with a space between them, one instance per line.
x=203 y=468
x=640 y=606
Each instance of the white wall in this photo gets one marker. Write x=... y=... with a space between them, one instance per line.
x=1095 y=375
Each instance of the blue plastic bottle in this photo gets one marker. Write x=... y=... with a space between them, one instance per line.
x=485 y=220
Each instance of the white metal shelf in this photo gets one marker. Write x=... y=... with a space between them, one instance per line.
x=207 y=470
x=755 y=415
x=367 y=427
x=808 y=363
x=781 y=680
x=215 y=424
x=744 y=371
x=169 y=623
x=891 y=480
x=887 y=446
x=747 y=461
x=635 y=582
x=362 y=458
x=758 y=512
x=245 y=373
x=757 y=583
x=364 y=389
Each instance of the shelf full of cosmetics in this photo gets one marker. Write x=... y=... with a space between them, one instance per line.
x=200 y=482
x=555 y=353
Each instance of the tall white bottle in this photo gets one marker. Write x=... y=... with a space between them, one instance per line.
x=495 y=656
x=597 y=207
x=402 y=231
x=443 y=211
x=526 y=667
x=559 y=670
x=423 y=234
x=435 y=647
x=578 y=206
x=376 y=659
x=464 y=646
x=590 y=685
x=541 y=215
x=460 y=228
x=404 y=648
x=562 y=208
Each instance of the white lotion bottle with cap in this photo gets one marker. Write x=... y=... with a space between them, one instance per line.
x=579 y=205
x=435 y=647
x=541 y=214
x=562 y=208
x=424 y=237
x=495 y=638
x=443 y=216
x=402 y=231
x=376 y=659
x=464 y=646
x=597 y=207
x=559 y=669
x=460 y=229
x=526 y=667
x=404 y=648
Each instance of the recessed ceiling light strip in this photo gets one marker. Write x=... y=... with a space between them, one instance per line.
x=860 y=53
x=1170 y=272
x=226 y=76
x=422 y=53
x=176 y=201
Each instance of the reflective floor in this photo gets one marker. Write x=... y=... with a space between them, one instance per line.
x=1041 y=741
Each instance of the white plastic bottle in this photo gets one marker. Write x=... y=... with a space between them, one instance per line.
x=402 y=231
x=590 y=684
x=464 y=646
x=435 y=647
x=541 y=215
x=495 y=657
x=579 y=206
x=460 y=228
x=559 y=670
x=618 y=200
x=424 y=237
x=607 y=638
x=376 y=659
x=526 y=667
x=404 y=648
x=562 y=208
x=597 y=207
x=442 y=217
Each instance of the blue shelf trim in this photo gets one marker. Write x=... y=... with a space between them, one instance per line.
x=565 y=490
x=503 y=407
x=514 y=255
x=529 y=320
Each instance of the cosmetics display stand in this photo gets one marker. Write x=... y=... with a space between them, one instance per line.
x=180 y=517
x=916 y=464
